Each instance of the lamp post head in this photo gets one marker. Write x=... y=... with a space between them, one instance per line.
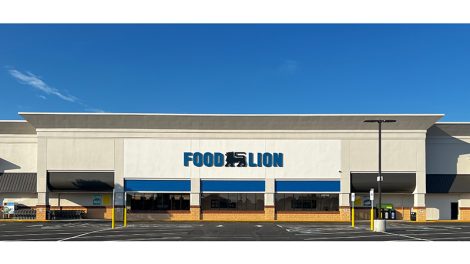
x=380 y=121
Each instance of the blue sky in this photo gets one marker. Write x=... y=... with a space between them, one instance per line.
x=236 y=69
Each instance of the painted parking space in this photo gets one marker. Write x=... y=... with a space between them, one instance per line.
x=230 y=231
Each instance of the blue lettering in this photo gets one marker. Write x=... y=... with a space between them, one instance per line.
x=208 y=159
x=278 y=160
x=267 y=159
x=187 y=158
x=197 y=159
x=219 y=159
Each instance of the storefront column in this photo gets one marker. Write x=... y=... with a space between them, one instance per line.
x=118 y=180
x=419 y=205
x=42 y=205
x=345 y=187
x=269 y=200
x=195 y=199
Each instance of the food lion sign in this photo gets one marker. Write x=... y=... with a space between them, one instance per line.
x=233 y=159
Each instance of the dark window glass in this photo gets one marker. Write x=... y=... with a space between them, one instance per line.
x=250 y=201
x=232 y=201
x=307 y=202
x=157 y=201
x=259 y=201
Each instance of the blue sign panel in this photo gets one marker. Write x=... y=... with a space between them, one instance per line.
x=307 y=186
x=232 y=186
x=157 y=185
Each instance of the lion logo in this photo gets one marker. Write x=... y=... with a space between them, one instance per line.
x=235 y=157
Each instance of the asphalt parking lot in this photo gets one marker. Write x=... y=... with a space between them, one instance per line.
x=229 y=231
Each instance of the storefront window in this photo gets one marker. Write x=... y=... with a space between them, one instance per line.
x=307 y=202
x=158 y=201
x=233 y=201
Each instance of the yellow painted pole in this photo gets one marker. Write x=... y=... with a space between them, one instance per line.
x=125 y=210
x=353 y=216
x=372 y=217
x=112 y=218
x=112 y=214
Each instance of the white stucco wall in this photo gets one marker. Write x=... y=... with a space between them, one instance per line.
x=80 y=154
x=155 y=158
x=448 y=155
x=18 y=154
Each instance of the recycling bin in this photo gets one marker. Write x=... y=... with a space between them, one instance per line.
x=393 y=214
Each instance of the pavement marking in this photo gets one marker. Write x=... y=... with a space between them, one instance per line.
x=84 y=234
x=28 y=234
x=259 y=226
x=450 y=238
x=33 y=225
x=417 y=238
x=220 y=226
x=343 y=237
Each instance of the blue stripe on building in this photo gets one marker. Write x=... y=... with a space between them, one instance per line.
x=232 y=186
x=157 y=185
x=307 y=186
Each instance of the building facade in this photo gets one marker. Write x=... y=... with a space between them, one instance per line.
x=234 y=167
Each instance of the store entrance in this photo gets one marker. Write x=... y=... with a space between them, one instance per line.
x=454 y=211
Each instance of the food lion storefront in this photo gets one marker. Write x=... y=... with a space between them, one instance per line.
x=231 y=167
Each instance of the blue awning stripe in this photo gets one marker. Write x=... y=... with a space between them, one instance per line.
x=307 y=186
x=232 y=186
x=157 y=185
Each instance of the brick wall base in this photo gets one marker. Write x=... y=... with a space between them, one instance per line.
x=41 y=212
x=233 y=216
x=345 y=213
x=403 y=213
x=269 y=213
x=420 y=214
x=292 y=216
x=464 y=213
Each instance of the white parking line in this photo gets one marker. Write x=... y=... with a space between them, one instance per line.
x=417 y=238
x=450 y=238
x=84 y=234
x=346 y=237
x=33 y=225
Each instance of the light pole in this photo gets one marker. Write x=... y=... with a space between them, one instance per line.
x=379 y=177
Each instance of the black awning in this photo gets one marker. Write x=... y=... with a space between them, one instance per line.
x=447 y=183
x=80 y=181
x=18 y=182
x=393 y=182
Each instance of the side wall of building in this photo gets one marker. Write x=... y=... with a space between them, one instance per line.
x=448 y=153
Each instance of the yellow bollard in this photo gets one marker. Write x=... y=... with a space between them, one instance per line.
x=125 y=216
x=372 y=219
x=353 y=215
x=112 y=218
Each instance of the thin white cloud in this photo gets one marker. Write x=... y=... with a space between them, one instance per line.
x=36 y=82
x=289 y=66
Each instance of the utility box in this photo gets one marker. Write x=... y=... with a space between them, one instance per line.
x=413 y=216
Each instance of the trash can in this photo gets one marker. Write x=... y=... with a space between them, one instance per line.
x=393 y=214
x=413 y=216
x=386 y=214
